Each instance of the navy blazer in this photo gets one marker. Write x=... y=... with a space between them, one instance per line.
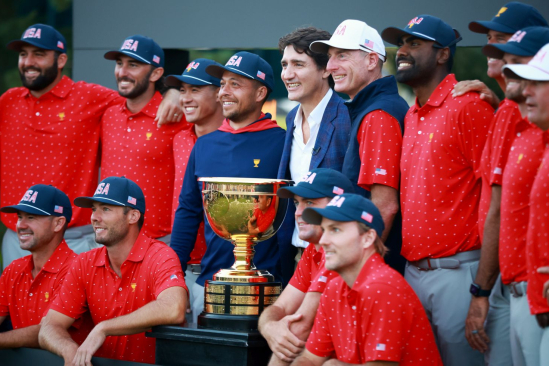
x=332 y=140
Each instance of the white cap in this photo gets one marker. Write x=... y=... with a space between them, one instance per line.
x=353 y=35
x=536 y=69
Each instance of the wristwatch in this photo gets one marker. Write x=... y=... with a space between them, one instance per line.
x=476 y=291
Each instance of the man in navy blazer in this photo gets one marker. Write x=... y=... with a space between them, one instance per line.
x=318 y=129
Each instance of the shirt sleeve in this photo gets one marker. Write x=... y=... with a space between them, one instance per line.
x=507 y=119
x=301 y=279
x=189 y=214
x=474 y=121
x=320 y=342
x=71 y=298
x=4 y=292
x=167 y=272
x=319 y=282
x=58 y=283
x=380 y=140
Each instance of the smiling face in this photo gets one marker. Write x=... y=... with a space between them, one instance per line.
x=38 y=68
x=308 y=232
x=345 y=246
x=239 y=96
x=199 y=102
x=301 y=76
x=34 y=231
x=132 y=77
x=514 y=87
x=110 y=223
x=537 y=103
x=495 y=65
x=350 y=70
x=415 y=60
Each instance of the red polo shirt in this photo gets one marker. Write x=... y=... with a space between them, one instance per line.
x=183 y=144
x=53 y=140
x=494 y=156
x=91 y=284
x=522 y=166
x=537 y=242
x=380 y=139
x=134 y=147
x=25 y=299
x=307 y=268
x=379 y=319
x=322 y=277
x=440 y=175
x=264 y=220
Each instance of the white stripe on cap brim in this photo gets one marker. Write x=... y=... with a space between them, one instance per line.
x=34 y=207
x=529 y=72
x=424 y=36
x=136 y=56
x=99 y=199
x=239 y=72
x=193 y=77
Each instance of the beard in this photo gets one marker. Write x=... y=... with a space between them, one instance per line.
x=139 y=88
x=115 y=235
x=515 y=94
x=417 y=73
x=46 y=77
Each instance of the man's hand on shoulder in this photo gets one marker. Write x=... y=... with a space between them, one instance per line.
x=169 y=111
x=478 y=86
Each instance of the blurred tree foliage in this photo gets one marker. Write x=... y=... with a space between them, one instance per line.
x=16 y=16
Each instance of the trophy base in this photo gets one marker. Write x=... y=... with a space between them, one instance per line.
x=236 y=305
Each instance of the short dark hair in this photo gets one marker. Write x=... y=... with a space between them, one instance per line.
x=301 y=39
x=141 y=220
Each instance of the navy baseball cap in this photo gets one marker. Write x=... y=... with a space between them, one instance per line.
x=319 y=183
x=194 y=74
x=509 y=19
x=525 y=42
x=246 y=64
x=140 y=48
x=425 y=27
x=116 y=191
x=43 y=200
x=42 y=36
x=347 y=207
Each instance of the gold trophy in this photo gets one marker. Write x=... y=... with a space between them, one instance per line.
x=243 y=211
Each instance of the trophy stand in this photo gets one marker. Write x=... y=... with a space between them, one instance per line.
x=243 y=211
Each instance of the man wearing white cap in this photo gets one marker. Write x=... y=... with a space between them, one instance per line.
x=537 y=246
x=356 y=55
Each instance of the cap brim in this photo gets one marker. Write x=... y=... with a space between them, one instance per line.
x=24 y=208
x=87 y=202
x=493 y=51
x=527 y=72
x=113 y=55
x=498 y=50
x=217 y=72
x=17 y=45
x=323 y=46
x=314 y=215
x=483 y=27
x=290 y=192
x=393 y=35
x=176 y=80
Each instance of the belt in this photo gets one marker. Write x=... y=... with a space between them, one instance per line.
x=78 y=231
x=452 y=262
x=195 y=268
x=517 y=289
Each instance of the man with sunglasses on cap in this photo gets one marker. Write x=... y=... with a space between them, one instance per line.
x=29 y=285
x=509 y=312
x=509 y=19
x=129 y=285
x=287 y=323
x=356 y=56
x=367 y=315
x=248 y=144
x=55 y=122
x=132 y=143
x=440 y=184
x=200 y=102
x=536 y=91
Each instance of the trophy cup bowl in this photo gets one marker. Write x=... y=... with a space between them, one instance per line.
x=243 y=211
